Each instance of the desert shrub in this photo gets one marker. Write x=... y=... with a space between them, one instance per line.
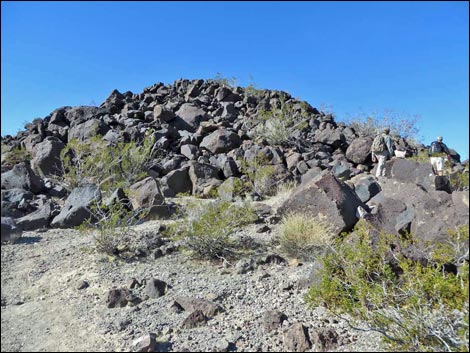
x=259 y=173
x=14 y=155
x=303 y=236
x=278 y=125
x=109 y=165
x=459 y=180
x=420 y=157
x=112 y=227
x=370 y=125
x=230 y=82
x=415 y=307
x=207 y=228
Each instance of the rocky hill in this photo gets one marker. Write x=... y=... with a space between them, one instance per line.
x=208 y=140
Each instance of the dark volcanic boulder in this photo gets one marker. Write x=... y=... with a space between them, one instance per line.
x=325 y=197
x=202 y=175
x=431 y=214
x=177 y=181
x=188 y=117
x=22 y=177
x=359 y=150
x=145 y=194
x=77 y=207
x=80 y=114
x=40 y=218
x=408 y=171
x=88 y=129
x=46 y=160
x=221 y=141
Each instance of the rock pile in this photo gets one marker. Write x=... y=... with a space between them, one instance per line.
x=207 y=132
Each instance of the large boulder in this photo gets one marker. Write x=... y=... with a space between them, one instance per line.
x=408 y=171
x=177 y=181
x=46 y=160
x=145 y=194
x=331 y=137
x=88 y=129
x=326 y=197
x=359 y=150
x=430 y=214
x=203 y=175
x=22 y=177
x=221 y=141
x=38 y=219
x=80 y=114
x=188 y=117
x=77 y=207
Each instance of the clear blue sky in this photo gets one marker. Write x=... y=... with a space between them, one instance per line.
x=409 y=57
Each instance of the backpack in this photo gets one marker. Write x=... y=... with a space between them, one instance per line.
x=435 y=148
x=378 y=145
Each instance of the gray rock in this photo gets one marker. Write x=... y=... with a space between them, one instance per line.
x=359 y=150
x=272 y=320
x=145 y=193
x=88 y=129
x=188 y=117
x=77 y=207
x=195 y=319
x=163 y=113
x=177 y=181
x=46 y=160
x=325 y=196
x=221 y=141
x=146 y=343
x=22 y=177
x=296 y=338
x=41 y=218
x=155 y=288
x=207 y=307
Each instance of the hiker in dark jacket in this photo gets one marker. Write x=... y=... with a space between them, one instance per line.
x=382 y=149
x=437 y=152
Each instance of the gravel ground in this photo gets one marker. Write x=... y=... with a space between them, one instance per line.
x=43 y=309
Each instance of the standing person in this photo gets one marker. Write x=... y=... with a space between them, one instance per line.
x=437 y=153
x=382 y=149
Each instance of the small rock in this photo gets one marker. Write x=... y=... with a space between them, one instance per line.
x=147 y=343
x=195 y=319
x=82 y=285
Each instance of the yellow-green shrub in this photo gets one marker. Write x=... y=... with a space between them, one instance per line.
x=415 y=307
x=207 y=228
x=304 y=237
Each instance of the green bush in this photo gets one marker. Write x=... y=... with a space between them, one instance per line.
x=304 y=237
x=370 y=125
x=112 y=228
x=14 y=155
x=259 y=173
x=415 y=307
x=279 y=125
x=207 y=228
x=109 y=165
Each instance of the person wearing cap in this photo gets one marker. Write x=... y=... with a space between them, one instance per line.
x=387 y=152
x=437 y=152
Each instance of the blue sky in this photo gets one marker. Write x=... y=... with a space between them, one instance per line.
x=351 y=57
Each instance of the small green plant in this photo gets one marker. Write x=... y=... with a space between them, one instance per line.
x=14 y=155
x=207 y=228
x=259 y=173
x=414 y=307
x=109 y=165
x=279 y=125
x=111 y=227
x=225 y=81
x=304 y=237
